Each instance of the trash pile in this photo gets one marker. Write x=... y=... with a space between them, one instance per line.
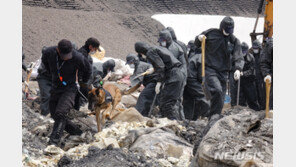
x=130 y=139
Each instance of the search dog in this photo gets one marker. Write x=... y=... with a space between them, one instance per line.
x=103 y=101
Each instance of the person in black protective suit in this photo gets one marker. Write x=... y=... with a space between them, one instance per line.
x=165 y=40
x=260 y=86
x=168 y=75
x=44 y=82
x=181 y=44
x=145 y=99
x=141 y=56
x=218 y=60
x=100 y=71
x=91 y=45
x=248 y=78
x=62 y=62
x=24 y=67
x=194 y=101
x=192 y=49
x=266 y=66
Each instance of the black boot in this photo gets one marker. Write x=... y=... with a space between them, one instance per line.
x=72 y=129
x=57 y=132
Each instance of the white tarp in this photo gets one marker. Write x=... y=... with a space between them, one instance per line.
x=188 y=26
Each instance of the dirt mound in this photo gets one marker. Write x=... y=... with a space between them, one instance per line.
x=226 y=7
x=108 y=157
x=117 y=33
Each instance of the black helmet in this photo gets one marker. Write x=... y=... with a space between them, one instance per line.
x=245 y=47
x=227 y=24
x=256 y=44
x=131 y=58
x=142 y=47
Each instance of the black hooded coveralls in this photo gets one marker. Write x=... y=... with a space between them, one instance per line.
x=62 y=96
x=194 y=101
x=218 y=64
x=168 y=71
x=179 y=55
x=266 y=65
x=248 y=86
x=260 y=85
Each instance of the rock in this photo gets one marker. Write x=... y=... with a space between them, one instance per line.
x=174 y=151
x=53 y=150
x=164 y=163
x=111 y=141
x=173 y=160
x=237 y=138
x=128 y=101
x=128 y=115
x=160 y=142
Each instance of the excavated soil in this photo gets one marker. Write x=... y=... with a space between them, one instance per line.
x=116 y=24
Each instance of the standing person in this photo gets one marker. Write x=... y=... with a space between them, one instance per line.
x=248 y=78
x=145 y=99
x=195 y=103
x=165 y=40
x=180 y=43
x=260 y=86
x=62 y=62
x=169 y=76
x=44 y=83
x=218 y=60
x=266 y=66
x=91 y=46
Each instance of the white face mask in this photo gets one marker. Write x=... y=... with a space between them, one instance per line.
x=132 y=65
x=92 y=52
x=163 y=43
x=143 y=56
x=225 y=33
x=256 y=51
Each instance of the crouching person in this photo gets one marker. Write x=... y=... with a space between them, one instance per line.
x=145 y=99
x=168 y=74
x=63 y=62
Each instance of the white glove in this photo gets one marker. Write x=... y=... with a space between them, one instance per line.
x=26 y=83
x=157 y=87
x=200 y=37
x=150 y=71
x=237 y=75
x=268 y=77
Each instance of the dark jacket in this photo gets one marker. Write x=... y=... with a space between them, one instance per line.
x=181 y=44
x=249 y=68
x=194 y=68
x=23 y=63
x=266 y=61
x=140 y=67
x=84 y=51
x=174 y=48
x=257 y=63
x=68 y=70
x=42 y=72
x=162 y=61
x=217 y=52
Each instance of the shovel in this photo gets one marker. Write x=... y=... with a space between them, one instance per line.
x=204 y=83
x=268 y=85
